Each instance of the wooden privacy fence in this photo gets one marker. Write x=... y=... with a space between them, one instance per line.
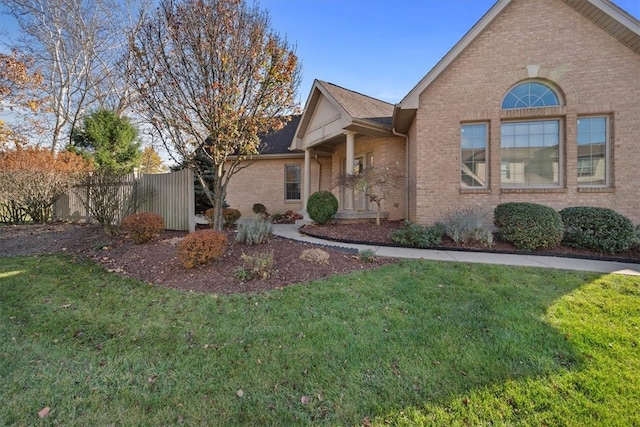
x=172 y=198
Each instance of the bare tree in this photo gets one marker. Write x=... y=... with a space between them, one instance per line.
x=80 y=47
x=376 y=182
x=212 y=76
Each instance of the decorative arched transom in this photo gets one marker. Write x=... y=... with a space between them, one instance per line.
x=530 y=95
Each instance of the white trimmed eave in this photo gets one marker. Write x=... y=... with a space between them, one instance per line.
x=603 y=13
x=317 y=91
x=411 y=101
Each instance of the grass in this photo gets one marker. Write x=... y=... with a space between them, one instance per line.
x=417 y=343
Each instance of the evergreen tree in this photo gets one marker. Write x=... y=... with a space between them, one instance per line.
x=111 y=141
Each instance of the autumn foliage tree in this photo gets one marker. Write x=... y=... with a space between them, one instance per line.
x=213 y=75
x=20 y=85
x=33 y=178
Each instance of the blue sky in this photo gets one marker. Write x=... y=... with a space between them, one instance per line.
x=381 y=48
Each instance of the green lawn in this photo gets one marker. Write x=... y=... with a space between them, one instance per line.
x=416 y=343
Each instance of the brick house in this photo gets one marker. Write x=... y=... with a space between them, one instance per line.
x=538 y=102
x=275 y=177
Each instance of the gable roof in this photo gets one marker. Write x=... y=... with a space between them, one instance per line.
x=603 y=13
x=357 y=112
x=360 y=106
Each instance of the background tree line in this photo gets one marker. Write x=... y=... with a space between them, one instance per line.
x=205 y=78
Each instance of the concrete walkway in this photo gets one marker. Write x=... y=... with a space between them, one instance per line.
x=290 y=231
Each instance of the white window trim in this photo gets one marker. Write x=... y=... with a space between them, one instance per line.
x=607 y=159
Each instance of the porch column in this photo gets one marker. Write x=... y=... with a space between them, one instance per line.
x=351 y=138
x=306 y=180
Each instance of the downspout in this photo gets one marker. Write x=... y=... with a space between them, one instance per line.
x=406 y=168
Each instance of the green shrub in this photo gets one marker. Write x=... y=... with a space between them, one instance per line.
x=598 y=229
x=231 y=216
x=322 y=206
x=201 y=247
x=416 y=236
x=142 y=227
x=529 y=225
x=367 y=255
x=468 y=226
x=254 y=232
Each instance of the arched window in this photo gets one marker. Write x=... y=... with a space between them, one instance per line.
x=531 y=148
x=530 y=95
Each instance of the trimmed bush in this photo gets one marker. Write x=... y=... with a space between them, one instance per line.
x=201 y=247
x=231 y=216
x=598 y=229
x=254 y=232
x=260 y=209
x=416 y=236
x=315 y=256
x=529 y=225
x=322 y=206
x=143 y=227
x=468 y=226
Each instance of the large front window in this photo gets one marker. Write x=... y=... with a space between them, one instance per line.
x=530 y=154
x=473 y=155
x=593 y=151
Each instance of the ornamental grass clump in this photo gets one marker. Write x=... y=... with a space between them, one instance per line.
x=257 y=266
x=468 y=226
x=529 y=225
x=598 y=229
x=142 y=227
x=255 y=232
x=201 y=247
x=315 y=256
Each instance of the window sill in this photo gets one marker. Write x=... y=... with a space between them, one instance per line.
x=596 y=190
x=532 y=190
x=475 y=191
x=292 y=201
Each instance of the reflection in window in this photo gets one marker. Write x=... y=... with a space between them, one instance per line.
x=530 y=95
x=292 y=182
x=592 y=151
x=530 y=154
x=473 y=149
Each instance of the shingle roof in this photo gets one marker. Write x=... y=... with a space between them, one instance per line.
x=278 y=142
x=361 y=106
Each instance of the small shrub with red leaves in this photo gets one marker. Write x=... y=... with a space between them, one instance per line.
x=143 y=227
x=231 y=216
x=201 y=247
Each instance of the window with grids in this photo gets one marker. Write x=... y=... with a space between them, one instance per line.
x=473 y=155
x=530 y=95
x=292 y=182
x=530 y=153
x=593 y=151
x=530 y=150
